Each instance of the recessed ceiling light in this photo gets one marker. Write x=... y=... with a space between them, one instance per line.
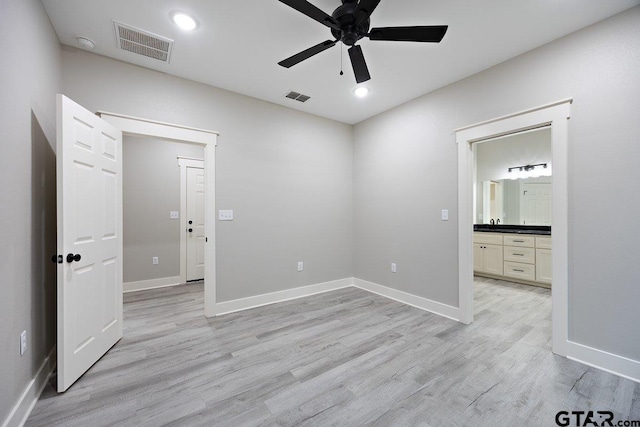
x=361 y=92
x=184 y=21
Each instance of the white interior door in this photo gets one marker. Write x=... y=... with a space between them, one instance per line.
x=89 y=209
x=535 y=203
x=195 y=223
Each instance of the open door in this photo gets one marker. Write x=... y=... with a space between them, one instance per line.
x=89 y=208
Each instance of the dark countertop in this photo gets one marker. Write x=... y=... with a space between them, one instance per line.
x=544 y=230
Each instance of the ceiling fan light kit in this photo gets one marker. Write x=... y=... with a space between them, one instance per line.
x=349 y=23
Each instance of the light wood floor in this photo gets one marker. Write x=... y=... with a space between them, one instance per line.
x=344 y=358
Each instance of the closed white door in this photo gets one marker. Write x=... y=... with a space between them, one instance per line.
x=535 y=204
x=89 y=210
x=195 y=223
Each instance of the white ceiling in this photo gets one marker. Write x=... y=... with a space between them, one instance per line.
x=238 y=44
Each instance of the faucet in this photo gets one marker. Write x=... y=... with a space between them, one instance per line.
x=492 y=222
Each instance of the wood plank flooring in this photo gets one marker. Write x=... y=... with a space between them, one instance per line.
x=343 y=358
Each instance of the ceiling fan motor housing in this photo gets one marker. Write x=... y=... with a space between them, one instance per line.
x=349 y=32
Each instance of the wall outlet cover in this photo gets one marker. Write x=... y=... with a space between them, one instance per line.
x=300 y=265
x=174 y=215
x=155 y=260
x=394 y=268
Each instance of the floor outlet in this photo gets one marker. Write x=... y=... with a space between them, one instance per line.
x=300 y=266
x=23 y=342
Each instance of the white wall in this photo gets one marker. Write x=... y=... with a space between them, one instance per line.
x=286 y=174
x=406 y=171
x=29 y=80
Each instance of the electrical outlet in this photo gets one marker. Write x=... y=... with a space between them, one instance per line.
x=23 y=342
x=445 y=214
x=393 y=267
x=155 y=260
x=300 y=265
x=174 y=214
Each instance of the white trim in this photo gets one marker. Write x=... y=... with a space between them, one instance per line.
x=232 y=306
x=183 y=164
x=137 y=126
x=409 y=299
x=143 y=285
x=22 y=409
x=608 y=362
x=153 y=122
x=555 y=114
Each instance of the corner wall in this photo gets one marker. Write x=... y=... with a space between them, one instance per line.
x=29 y=81
x=286 y=174
x=406 y=172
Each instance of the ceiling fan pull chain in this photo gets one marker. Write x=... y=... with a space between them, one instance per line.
x=341 y=56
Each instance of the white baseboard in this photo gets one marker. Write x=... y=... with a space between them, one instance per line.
x=22 y=409
x=227 y=307
x=409 y=299
x=151 y=284
x=608 y=362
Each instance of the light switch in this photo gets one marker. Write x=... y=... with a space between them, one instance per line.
x=445 y=214
x=226 y=215
x=174 y=215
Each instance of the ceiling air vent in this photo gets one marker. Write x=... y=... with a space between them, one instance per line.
x=297 y=96
x=142 y=42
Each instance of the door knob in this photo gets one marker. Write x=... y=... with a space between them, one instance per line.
x=57 y=259
x=190 y=230
x=190 y=222
x=72 y=257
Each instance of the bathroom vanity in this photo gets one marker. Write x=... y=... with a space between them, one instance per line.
x=512 y=252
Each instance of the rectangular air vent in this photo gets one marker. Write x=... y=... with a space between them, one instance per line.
x=142 y=42
x=297 y=96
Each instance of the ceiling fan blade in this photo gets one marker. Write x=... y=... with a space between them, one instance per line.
x=432 y=33
x=358 y=63
x=308 y=53
x=364 y=9
x=312 y=12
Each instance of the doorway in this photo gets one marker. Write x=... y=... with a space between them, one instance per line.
x=207 y=139
x=555 y=116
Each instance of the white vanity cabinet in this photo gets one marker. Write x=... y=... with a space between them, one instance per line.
x=518 y=257
x=488 y=253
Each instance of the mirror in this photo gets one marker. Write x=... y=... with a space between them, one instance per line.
x=524 y=201
x=513 y=178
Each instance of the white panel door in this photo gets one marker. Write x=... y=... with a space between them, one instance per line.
x=89 y=209
x=535 y=204
x=195 y=223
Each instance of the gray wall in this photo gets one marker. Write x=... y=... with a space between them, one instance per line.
x=151 y=189
x=406 y=172
x=29 y=80
x=286 y=174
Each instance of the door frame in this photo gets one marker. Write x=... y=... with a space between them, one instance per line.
x=208 y=139
x=184 y=163
x=556 y=115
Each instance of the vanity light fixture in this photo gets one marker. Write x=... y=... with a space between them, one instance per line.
x=184 y=21
x=527 y=168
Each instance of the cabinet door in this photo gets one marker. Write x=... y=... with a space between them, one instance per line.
x=493 y=259
x=543 y=265
x=478 y=257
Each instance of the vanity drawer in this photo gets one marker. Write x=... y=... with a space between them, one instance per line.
x=519 y=240
x=489 y=238
x=519 y=254
x=520 y=270
x=543 y=242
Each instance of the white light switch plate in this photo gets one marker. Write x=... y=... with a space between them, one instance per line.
x=445 y=214
x=226 y=215
x=174 y=215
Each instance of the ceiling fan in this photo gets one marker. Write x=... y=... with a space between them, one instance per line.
x=349 y=23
